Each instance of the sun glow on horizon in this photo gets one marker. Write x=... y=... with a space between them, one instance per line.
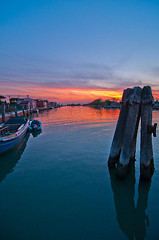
x=66 y=95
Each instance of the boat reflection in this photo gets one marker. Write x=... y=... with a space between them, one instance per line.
x=9 y=159
x=36 y=133
x=132 y=220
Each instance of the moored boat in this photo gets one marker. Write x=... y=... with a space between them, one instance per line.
x=12 y=132
x=35 y=125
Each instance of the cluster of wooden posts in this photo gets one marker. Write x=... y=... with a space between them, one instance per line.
x=24 y=112
x=136 y=103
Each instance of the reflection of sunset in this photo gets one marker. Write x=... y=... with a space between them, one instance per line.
x=65 y=95
x=85 y=116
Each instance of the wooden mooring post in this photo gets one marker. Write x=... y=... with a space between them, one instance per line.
x=27 y=111
x=138 y=103
x=23 y=111
x=146 y=150
x=130 y=133
x=119 y=131
x=15 y=109
x=30 y=110
x=3 y=111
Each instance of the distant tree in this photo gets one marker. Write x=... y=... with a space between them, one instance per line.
x=13 y=101
x=157 y=102
x=113 y=99
x=97 y=102
x=108 y=103
x=74 y=104
x=1 y=97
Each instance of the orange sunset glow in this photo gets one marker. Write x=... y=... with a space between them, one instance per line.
x=66 y=95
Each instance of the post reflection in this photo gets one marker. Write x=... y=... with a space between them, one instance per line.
x=141 y=218
x=9 y=160
x=132 y=220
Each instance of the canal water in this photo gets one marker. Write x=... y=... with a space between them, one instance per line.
x=57 y=185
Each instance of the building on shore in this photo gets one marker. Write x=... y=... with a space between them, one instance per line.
x=27 y=102
x=42 y=104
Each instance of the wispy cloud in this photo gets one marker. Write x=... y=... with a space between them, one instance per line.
x=32 y=74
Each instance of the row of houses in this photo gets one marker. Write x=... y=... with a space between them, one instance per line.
x=29 y=103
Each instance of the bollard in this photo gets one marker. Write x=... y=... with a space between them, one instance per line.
x=16 y=114
x=23 y=111
x=119 y=131
x=30 y=109
x=146 y=150
x=27 y=111
x=130 y=134
x=3 y=111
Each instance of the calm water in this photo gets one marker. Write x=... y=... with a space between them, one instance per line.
x=58 y=186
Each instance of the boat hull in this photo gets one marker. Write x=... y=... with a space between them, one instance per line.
x=10 y=142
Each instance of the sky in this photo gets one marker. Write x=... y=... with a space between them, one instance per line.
x=75 y=51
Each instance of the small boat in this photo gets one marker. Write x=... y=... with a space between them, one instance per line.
x=12 y=132
x=35 y=125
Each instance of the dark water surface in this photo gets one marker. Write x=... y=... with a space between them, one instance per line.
x=58 y=186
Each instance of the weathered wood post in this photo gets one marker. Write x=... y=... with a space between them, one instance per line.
x=130 y=134
x=23 y=111
x=27 y=110
x=10 y=108
x=30 y=109
x=6 y=107
x=146 y=151
x=3 y=111
x=15 y=109
x=119 y=131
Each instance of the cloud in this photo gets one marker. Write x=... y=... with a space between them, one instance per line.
x=155 y=71
x=36 y=73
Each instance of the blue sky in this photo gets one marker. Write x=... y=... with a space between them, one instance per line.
x=91 y=44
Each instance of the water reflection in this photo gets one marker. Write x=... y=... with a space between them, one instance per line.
x=132 y=220
x=36 y=133
x=141 y=218
x=78 y=115
x=9 y=160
